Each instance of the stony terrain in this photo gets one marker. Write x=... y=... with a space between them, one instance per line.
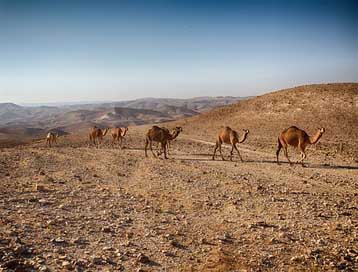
x=78 y=207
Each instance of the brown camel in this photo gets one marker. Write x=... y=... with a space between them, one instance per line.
x=296 y=137
x=161 y=135
x=97 y=133
x=51 y=138
x=229 y=136
x=118 y=134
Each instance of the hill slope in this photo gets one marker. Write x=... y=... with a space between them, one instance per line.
x=334 y=106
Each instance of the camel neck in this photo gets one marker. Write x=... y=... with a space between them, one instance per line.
x=314 y=139
x=243 y=138
x=174 y=135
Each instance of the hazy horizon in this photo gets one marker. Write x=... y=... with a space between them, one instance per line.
x=60 y=52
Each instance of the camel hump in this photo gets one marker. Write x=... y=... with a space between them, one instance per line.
x=293 y=127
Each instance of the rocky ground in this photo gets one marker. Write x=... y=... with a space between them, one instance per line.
x=74 y=207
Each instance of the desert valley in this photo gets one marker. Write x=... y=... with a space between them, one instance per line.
x=77 y=207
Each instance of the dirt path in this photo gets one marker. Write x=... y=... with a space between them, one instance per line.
x=112 y=209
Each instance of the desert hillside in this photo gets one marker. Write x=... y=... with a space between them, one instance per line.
x=333 y=106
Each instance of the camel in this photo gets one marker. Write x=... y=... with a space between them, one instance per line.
x=296 y=137
x=229 y=136
x=51 y=138
x=118 y=134
x=161 y=135
x=97 y=133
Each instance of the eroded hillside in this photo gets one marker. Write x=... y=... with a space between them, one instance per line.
x=333 y=106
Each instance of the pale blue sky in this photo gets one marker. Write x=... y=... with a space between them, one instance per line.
x=56 y=51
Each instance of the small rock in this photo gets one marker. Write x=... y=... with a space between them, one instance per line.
x=143 y=258
x=106 y=229
x=297 y=258
x=168 y=253
x=66 y=264
x=44 y=268
x=49 y=179
x=58 y=240
x=97 y=261
x=39 y=188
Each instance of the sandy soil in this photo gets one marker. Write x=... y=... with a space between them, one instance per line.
x=75 y=207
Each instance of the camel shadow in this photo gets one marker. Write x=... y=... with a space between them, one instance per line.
x=308 y=165
x=218 y=159
x=191 y=159
x=332 y=166
x=311 y=166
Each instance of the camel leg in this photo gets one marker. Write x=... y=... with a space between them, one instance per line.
x=159 y=149
x=96 y=143
x=238 y=153
x=151 y=149
x=279 y=146
x=216 y=147
x=221 y=153
x=121 y=144
x=113 y=139
x=286 y=154
x=303 y=155
x=164 y=147
x=145 y=147
x=231 y=152
x=168 y=147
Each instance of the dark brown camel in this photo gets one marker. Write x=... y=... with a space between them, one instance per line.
x=161 y=135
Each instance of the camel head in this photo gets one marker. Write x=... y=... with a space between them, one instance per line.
x=315 y=138
x=176 y=132
x=321 y=130
x=244 y=136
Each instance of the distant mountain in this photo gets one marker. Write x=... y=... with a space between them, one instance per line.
x=33 y=121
